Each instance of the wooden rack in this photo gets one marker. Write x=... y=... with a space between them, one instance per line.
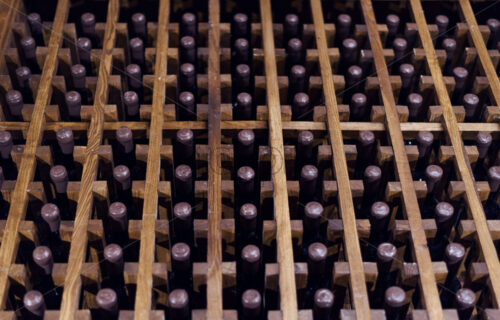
x=214 y=269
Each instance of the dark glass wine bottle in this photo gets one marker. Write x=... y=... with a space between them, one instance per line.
x=107 y=301
x=42 y=280
x=34 y=305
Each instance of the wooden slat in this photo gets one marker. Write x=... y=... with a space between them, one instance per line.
x=27 y=167
x=72 y=283
x=150 y=210
x=461 y=161
x=357 y=275
x=214 y=249
x=482 y=51
x=288 y=294
x=427 y=278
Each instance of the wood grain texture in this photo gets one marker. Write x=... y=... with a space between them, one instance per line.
x=214 y=249
x=353 y=251
x=10 y=240
x=430 y=294
x=288 y=294
x=462 y=164
x=150 y=209
x=482 y=51
x=78 y=250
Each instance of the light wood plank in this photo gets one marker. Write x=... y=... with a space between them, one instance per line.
x=214 y=250
x=72 y=283
x=430 y=294
x=357 y=276
x=27 y=167
x=150 y=210
x=482 y=51
x=288 y=293
x=461 y=161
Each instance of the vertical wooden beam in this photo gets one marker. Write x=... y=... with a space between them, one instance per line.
x=27 y=168
x=150 y=210
x=461 y=160
x=427 y=282
x=78 y=250
x=357 y=275
x=214 y=250
x=288 y=291
x=482 y=51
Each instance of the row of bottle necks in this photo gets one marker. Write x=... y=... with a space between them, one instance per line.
x=354 y=67
x=314 y=250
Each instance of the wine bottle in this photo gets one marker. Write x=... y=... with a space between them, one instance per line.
x=296 y=81
x=183 y=183
x=348 y=54
x=379 y=218
x=73 y=104
x=187 y=50
x=43 y=264
x=491 y=207
x=186 y=109
x=113 y=263
x=443 y=215
x=107 y=301
x=494 y=26
x=242 y=79
x=392 y=21
x=134 y=80
x=183 y=222
x=66 y=144
x=308 y=183
x=243 y=107
x=14 y=100
x=400 y=46
x=84 y=47
x=250 y=268
x=386 y=255
x=460 y=75
x=51 y=215
x=323 y=304
x=60 y=179
x=28 y=47
x=247 y=231
x=313 y=214
x=433 y=178
x=305 y=142
x=184 y=148
x=406 y=72
x=23 y=76
x=131 y=102
x=291 y=27
x=425 y=139
x=343 y=26
x=442 y=23
x=415 y=102
x=251 y=304
x=181 y=266
x=117 y=224
x=240 y=26
x=471 y=105
x=178 y=301
x=483 y=143
x=241 y=52
x=35 y=26
x=87 y=21
x=395 y=303
x=366 y=148
x=245 y=148
x=188 y=26
x=294 y=53
x=358 y=107
x=137 y=52
x=453 y=256
x=139 y=26
x=123 y=183
x=245 y=185
x=34 y=305
x=125 y=148
x=8 y=165
x=354 y=83
x=79 y=76
x=465 y=300
x=372 y=179
x=187 y=78
x=450 y=46
x=301 y=107
x=316 y=267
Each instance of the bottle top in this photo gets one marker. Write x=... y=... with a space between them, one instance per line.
x=125 y=138
x=29 y=47
x=107 y=300
x=15 y=102
x=395 y=297
x=6 y=144
x=251 y=302
x=483 y=143
x=42 y=257
x=65 y=140
x=34 y=302
x=122 y=175
x=454 y=253
x=59 y=177
x=51 y=215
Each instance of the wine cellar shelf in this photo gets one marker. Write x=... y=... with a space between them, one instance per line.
x=270 y=159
